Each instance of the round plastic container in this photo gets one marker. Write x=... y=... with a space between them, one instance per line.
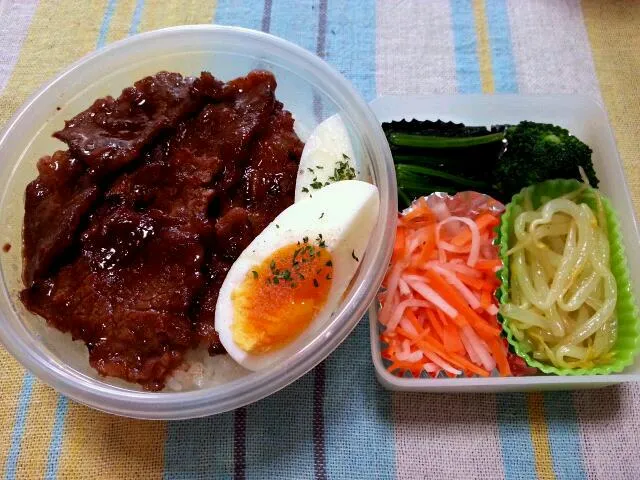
x=307 y=86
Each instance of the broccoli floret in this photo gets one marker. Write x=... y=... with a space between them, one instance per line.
x=538 y=151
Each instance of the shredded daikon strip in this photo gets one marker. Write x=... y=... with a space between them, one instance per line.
x=480 y=348
x=442 y=364
x=462 y=288
x=397 y=313
x=431 y=368
x=429 y=294
x=404 y=288
x=474 y=250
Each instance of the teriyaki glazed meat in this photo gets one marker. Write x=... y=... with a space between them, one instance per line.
x=129 y=233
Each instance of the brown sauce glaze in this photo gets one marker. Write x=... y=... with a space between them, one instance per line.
x=130 y=233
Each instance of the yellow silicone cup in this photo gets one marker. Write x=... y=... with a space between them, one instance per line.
x=628 y=337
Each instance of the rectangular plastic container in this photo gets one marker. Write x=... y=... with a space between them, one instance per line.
x=588 y=121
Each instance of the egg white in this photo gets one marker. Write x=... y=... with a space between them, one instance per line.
x=328 y=144
x=345 y=213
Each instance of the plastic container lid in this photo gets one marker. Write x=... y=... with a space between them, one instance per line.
x=307 y=86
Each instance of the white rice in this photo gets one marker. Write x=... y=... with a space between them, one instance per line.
x=199 y=370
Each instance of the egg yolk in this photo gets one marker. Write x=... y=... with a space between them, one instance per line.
x=279 y=298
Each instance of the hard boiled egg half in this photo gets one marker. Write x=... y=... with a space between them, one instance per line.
x=327 y=157
x=286 y=284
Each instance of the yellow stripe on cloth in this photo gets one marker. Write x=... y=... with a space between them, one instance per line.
x=10 y=386
x=537 y=421
x=94 y=444
x=612 y=27
x=483 y=46
x=161 y=14
x=60 y=33
x=540 y=436
x=37 y=433
x=99 y=445
x=121 y=20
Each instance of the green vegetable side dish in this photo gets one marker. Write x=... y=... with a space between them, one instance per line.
x=627 y=343
x=427 y=141
x=537 y=152
x=498 y=161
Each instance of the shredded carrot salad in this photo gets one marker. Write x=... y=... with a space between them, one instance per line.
x=438 y=306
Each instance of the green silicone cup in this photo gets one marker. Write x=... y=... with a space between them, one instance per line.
x=627 y=343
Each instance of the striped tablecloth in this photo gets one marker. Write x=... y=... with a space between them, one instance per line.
x=336 y=422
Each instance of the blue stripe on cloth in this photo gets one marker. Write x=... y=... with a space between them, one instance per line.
x=106 y=23
x=504 y=69
x=296 y=22
x=199 y=448
x=358 y=425
x=351 y=42
x=280 y=433
x=62 y=406
x=512 y=410
x=19 y=422
x=515 y=436
x=465 y=47
x=277 y=448
x=137 y=16
x=564 y=436
x=204 y=447
x=246 y=14
x=55 y=447
x=359 y=429
x=560 y=415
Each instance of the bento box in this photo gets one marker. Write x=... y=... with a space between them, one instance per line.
x=585 y=119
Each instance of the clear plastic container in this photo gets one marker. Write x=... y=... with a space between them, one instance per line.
x=307 y=86
x=588 y=121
